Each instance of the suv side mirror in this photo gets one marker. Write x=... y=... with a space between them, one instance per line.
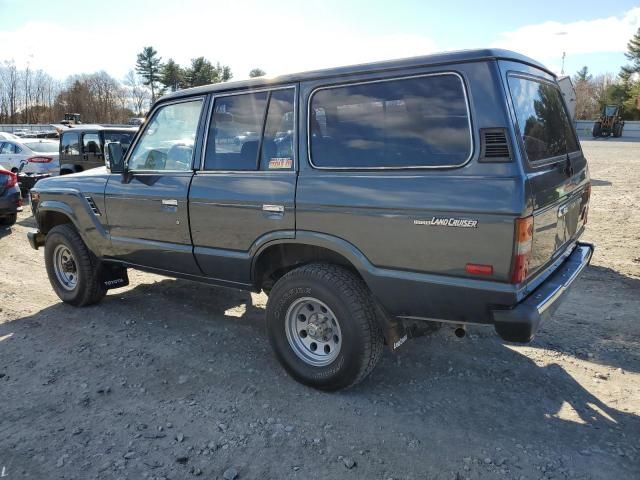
x=114 y=157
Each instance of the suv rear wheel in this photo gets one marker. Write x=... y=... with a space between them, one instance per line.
x=74 y=272
x=322 y=326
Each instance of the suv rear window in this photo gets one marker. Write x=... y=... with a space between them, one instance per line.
x=401 y=123
x=542 y=119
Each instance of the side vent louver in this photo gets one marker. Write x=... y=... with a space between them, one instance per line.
x=93 y=206
x=495 y=146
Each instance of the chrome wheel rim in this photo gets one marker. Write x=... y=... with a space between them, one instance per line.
x=313 y=331
x=65 y=267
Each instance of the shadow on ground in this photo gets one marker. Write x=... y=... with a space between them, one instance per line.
x=175 y=351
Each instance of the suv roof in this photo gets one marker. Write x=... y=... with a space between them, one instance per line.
x=447 y=58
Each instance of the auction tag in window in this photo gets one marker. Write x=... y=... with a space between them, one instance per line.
x=280 y=163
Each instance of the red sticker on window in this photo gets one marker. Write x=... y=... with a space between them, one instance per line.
x=280 y=163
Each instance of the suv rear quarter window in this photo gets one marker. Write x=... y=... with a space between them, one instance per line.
x=542 y=119
x=416 y=122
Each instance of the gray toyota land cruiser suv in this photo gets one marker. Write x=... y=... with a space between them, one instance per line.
x=369 y=202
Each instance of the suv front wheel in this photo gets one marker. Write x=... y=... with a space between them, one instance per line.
x=74 y=272
x=322 y=326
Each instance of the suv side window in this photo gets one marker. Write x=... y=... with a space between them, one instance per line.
x=417 y=122
x=277 y=150
x=168 y=139
x=234 y=132
x=70 y=144
x=91 y=143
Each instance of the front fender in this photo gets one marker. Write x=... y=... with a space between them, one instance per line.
x=73 y=205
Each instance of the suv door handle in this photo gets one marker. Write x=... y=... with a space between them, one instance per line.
x=170 y=202
x=273 y=208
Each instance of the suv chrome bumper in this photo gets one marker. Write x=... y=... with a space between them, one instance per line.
x=520 y=323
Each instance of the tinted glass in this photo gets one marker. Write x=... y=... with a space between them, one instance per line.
x=234 y=132
x=70 y=144
x=542 y=119
x=416 y=122
x=91 y=143
x=167 y=142
x=277 y=143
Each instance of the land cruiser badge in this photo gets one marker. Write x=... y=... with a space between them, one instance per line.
x=449 y=222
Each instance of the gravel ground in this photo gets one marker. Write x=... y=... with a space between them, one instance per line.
x=170 y=379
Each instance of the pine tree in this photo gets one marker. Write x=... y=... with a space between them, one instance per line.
x=582 y=75
x=173 y=76
x=633 y=54
x=257 y=72
x=149 y=67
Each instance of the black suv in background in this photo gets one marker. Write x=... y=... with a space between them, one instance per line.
x=82 y=148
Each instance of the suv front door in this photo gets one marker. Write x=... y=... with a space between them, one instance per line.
x=147 y=207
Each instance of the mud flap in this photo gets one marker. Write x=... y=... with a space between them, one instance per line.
x=114 y=276
x=395 y=335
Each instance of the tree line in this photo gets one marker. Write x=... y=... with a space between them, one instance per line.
x=593 y=92
x=33 y=96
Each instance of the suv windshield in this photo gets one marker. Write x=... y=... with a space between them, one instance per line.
x=543 y=123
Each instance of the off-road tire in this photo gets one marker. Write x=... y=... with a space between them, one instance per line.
x=350 y=300
x=89 y=289
x=8 y=220
x=597 y=130
x=617 y=130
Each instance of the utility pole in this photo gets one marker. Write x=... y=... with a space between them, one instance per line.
x=564 y=54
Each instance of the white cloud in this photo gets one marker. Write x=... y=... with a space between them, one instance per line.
x=275 y=42
x=546 y=41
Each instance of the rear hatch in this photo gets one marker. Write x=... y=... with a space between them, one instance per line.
x=558 y=184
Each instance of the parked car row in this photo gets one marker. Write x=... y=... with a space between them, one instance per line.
x=29 y=134
x=78 y=149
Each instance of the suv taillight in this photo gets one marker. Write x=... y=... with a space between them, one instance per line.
x=522 y=250
x=13 y=178
x=39 y=159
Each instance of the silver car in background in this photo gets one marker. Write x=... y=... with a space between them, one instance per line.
x=39 y=156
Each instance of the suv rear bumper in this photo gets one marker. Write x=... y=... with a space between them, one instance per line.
x=520 y=323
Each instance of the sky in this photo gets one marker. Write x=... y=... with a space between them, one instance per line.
x=285 y=36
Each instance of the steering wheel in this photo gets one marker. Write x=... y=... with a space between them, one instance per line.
x=156 y=160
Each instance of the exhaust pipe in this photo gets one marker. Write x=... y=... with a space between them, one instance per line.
x=460 y=331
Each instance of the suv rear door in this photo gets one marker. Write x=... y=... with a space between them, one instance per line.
x=557 y=175
x=244 y=193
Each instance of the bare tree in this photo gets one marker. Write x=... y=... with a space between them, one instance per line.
x=140 y=95
x=10 y=82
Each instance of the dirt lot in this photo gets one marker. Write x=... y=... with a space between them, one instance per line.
x=169 y=379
